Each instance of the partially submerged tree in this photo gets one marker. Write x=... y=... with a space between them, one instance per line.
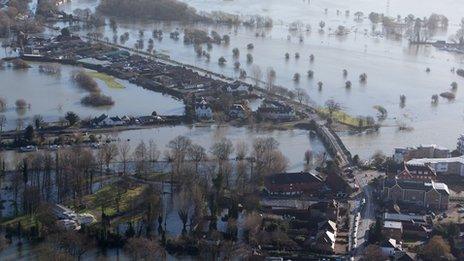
x=332 y=106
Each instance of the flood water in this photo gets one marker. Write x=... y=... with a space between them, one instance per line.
x=292 y=143
x=393 y=66
x=52 y=96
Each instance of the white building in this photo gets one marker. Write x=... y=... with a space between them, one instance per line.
x=443 y=166
x=203 y=110
x=112 y=121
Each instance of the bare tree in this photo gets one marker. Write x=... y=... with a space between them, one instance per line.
x=222 y=151
x=197 y=154
x=178 y=152
x=153 y=152
x=3 y=104
x=124 y=149
x=256 y=74
x=301 y=95
x=332 y=106
x=140 y=157
x=241 y=149
x=110 y=151
x=143 y=249
x=268 y=157
x=73 y=243
x=270 y=78
x=2 y=122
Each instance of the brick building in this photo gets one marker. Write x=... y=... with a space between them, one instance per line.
x=431 y=195
x=293 y=184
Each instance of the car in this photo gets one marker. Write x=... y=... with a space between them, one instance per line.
x=29 y=148
x=461 y=210
x=54 y=147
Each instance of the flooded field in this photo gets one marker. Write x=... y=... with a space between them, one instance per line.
x=292 y=143
x=51 y=96
x=393 y=67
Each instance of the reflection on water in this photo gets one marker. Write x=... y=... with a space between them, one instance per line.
x=53 y=96
x=293 y=143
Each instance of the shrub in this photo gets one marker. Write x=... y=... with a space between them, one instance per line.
x=54 y=69
x=2 y=104
x=85 y=81
x=20 y=64
x=310 y=74
x=249 y=58
x=97 y=99
x=21 y=104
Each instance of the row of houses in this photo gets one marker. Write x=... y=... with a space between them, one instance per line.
x=107 y=121
x=276 y=111
x=423 y=151
x=269 y=110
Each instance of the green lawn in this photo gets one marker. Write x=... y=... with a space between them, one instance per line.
x=107 y=195
x=110 y=81
x=344 y=118
x=26 y=221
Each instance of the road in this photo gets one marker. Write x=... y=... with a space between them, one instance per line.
x=367 y=211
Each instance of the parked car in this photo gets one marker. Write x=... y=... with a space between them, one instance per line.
x=28 y=148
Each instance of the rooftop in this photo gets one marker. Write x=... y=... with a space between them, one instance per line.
x=292 y=178
x=393 y=225
x=435 y=161
x=417 y=185
x=404 y=217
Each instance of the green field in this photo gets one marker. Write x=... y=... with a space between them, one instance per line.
x=110 y=81
x=344 y=118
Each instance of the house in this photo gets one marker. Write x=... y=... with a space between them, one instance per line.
x=112 y=121
x=405 y=256
x=392 y=229
x=237 y=111
x=293 y=184
x=411 y=171
x=325 y=242
x=148 y=120
x=203 y=110
x=68 y=224
x=442 y=166
x=328 y=225
x=390 y=246
x=98 y=121
x=417 y=219
x=423 y=151
x=424 y=194
x=328 y=210
x=274 y=110
x=239 y=88
x=415 y=230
